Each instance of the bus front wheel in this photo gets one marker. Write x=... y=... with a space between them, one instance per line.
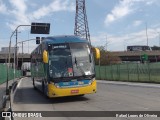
x=80 y=95
x=34 y=84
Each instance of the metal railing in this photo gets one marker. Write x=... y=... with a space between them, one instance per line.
x=147 y=72
x=3 y=73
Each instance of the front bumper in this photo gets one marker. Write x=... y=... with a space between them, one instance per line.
x=53 y=91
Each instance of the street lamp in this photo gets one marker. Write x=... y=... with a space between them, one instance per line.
x=147 y=32
x=46 y=25
x=9 y=53
x=107 y=42
x=22 y=53
x=16 y=31
x=158 y=36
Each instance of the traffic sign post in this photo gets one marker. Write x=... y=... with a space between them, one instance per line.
x=40 y=28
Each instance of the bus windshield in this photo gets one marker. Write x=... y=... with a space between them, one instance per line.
x=82 y=59
x=70 y=60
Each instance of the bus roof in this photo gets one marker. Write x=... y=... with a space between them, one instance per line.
x=63 y=39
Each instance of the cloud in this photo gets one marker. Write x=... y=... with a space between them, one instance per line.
x=124 y=8
x=55 y=6
x=117 y=42
x=137 y=23
x=22 y=16
x=120 y=10
x=149 y=2
x=18 y=13
x=19 y=5
x=3 y=8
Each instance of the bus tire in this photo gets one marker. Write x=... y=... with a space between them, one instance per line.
x=46 y=96
x=34 y=84
x=43 y=87
x=44 y=91
x=80 y=95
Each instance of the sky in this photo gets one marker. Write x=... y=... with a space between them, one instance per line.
x=113 y=23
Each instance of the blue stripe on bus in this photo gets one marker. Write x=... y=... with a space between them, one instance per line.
x=73 y=83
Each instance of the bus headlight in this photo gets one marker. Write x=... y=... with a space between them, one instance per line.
x=91 y=81
x=57 y=85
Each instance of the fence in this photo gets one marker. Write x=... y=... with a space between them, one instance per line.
x=148 y=72
x=3 y=73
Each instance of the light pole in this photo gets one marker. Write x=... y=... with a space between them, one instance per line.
x=147 y=32
x=124 y=43
x=16 y=31
x=159 y=38
x=22 y=56
x=22 y=53
x=107 y=42
x=9 y=52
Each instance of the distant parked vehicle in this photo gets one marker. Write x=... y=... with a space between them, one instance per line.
x=139 y=48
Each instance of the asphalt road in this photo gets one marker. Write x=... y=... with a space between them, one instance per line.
x=109 y=97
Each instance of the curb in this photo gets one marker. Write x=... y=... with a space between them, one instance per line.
x=8 y=99
x=151 y=85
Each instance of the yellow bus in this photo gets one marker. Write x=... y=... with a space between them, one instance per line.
x=64 y=66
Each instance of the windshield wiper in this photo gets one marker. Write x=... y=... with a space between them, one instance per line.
x=83 y=72
x=90 y=58
x=76 y=61
x=90 y=76
x=62 y=79
x=85 y=77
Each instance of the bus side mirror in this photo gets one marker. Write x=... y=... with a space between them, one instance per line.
x=97 y=52
x=45 y=56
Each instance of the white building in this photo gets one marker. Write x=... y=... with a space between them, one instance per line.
x=5 y=50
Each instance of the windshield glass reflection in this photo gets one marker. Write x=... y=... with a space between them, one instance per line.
x=70 y=60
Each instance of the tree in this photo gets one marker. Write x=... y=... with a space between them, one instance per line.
x=106 y=57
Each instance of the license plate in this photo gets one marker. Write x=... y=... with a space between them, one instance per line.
x=74 y=91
